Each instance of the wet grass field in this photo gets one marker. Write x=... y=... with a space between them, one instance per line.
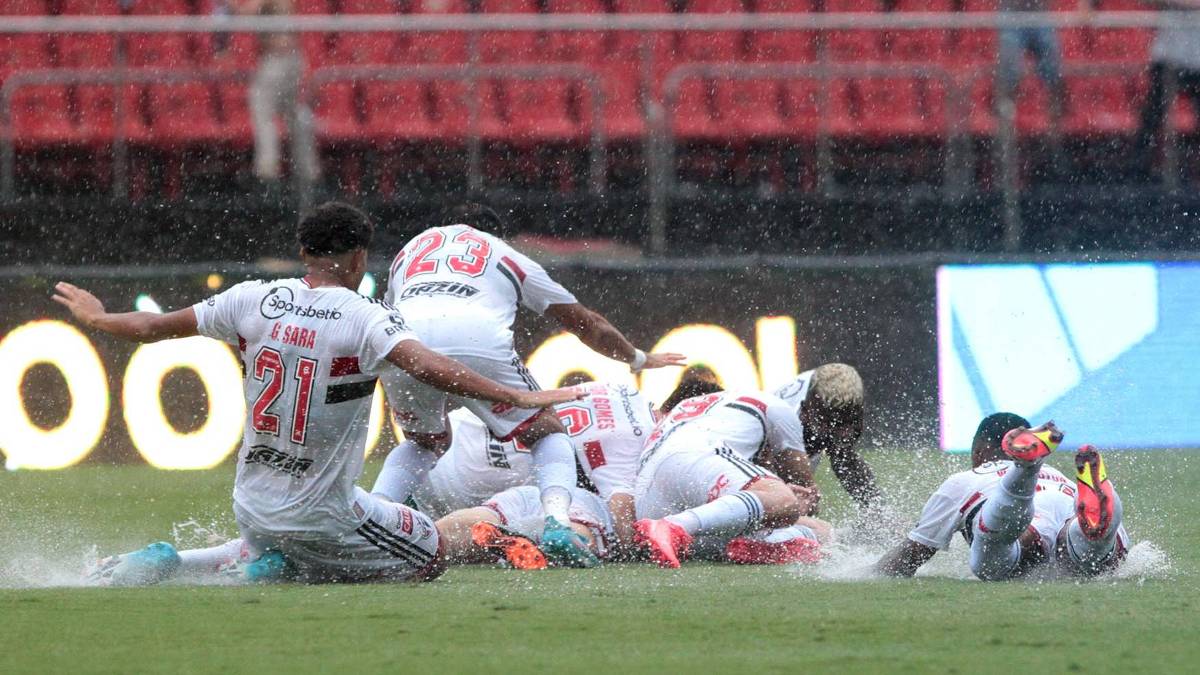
x=622 y=618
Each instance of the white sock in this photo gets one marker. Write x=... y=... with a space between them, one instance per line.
x=207 y=560
x=732 y=514
x=406 y=465
x=554 y=464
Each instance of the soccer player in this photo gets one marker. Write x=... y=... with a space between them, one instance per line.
x=1017 y=514
x=459 y=287
x=608 y=429
x=723 y=465
x=312 y=350
x=829 y=401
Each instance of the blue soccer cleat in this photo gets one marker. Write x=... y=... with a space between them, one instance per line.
x=269 y=567
x=157 y=562
x=566 y=548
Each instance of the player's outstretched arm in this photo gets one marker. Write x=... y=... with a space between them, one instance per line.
x=855 y=475
x=135 y=326
x=905 y=559
x=453 y=377
x=603 y=338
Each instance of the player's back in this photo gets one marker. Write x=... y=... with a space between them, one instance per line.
x=459 y=289
x=745 y=421
x=311 y=358
x=477 y=466
x=609 y=428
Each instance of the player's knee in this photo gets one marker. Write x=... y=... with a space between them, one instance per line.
x=545 y=424
x=438 y=444
x=780 y=506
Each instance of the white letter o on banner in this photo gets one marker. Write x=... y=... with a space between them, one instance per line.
x=26 y=445
x=152 y=434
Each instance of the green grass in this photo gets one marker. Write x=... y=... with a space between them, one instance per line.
x=622 y=618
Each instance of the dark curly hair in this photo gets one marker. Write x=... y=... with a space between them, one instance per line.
x=334 y=228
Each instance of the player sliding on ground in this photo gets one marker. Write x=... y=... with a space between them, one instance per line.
x=312 y=350
x=459 y=287
x=1016 y=514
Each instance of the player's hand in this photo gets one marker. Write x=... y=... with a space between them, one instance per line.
x=809 y=498
x=545 y=399
x=664 y=359
x=84 y=306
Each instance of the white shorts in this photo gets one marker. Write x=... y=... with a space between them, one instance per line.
x=521 y=509
x=419 y=408
x=680 y=480
x=394 y=543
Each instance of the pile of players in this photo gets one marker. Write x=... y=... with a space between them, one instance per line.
x=492 y=469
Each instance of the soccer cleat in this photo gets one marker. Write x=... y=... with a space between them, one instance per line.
x=666 y=540
x=143 y=567
x=269 y=567
x=1031 y=445
x=565 y=547
x=518 y=550
x=1093 y=493
x=747 y=551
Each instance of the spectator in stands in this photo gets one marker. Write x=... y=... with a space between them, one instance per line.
x=1175 y=56
x=275 y=92
x=1040 y=43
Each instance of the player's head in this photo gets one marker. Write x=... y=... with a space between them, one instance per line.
x=479 y=216
x=985 y=447
x=696 y=381
x=574 y=378
x=334 y=238
x=832 y=411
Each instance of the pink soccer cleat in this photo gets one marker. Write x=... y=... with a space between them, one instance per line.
x=1094 y=494
x=746 y=551
x=666 y=540
x=1031 y=445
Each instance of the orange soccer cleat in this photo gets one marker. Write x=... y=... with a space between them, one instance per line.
x=666 y=540
x=518 y=550
x=746 y=551
x=1094 y=494
x=1031 y=445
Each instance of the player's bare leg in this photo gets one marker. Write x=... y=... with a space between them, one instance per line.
x=767 y=502
x=1089 y=541
x=1004 y=520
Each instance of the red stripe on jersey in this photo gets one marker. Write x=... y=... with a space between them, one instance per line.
x=344 y=365
x=514 y=268
x=594 y=454
x=974 y=498
x=397 y=262
x=306 y=282
x=241 y=344
x=762 y=407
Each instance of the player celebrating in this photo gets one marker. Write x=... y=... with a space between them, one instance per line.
x=829 y=401
x=312 y=350
x=705 y=472
x=1017 y=514
x=459 y=288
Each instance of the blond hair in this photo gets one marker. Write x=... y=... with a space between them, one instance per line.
x=836 y=386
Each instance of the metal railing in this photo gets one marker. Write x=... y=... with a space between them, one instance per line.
x=659 y=145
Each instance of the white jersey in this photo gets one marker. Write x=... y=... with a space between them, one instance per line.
x=311 y=358
x=793 y=393
x=459 y=289
x=744 y=421
x=952 y=506
x=477 y=466
x=609 y=428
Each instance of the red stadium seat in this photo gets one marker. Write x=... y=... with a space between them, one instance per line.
x=233 y=113
x=802 y=108
x=886 y=109
x=588 y=46
x=972 y=48
x=756 y=109
x=367 y=6
x=778 y=45
x=628 y=44
x=854 y=45
x=159 y=7
x=623 y=111
x=314 y=7
x=22 y=52
x=96 y=113
x=449 y=111
x=509 y=46
x=701 y=109
x=434 y=47
x=923 y=45
x=399 y=111
x=40 y=116
x=183 y=113
x=336 y=111
x=89 y=50
x=157 y=50
x=544 y=110
x=1103 y=105
x=712 y=45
